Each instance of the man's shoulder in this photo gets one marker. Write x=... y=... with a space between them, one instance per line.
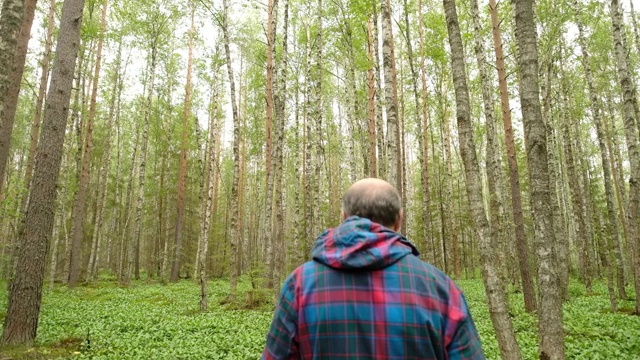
x=426 y=269
x=431 y=278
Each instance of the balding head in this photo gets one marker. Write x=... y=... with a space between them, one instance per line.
x=374 y=199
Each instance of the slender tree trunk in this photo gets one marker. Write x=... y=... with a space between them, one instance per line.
x=25 y=293
x=233 y=259
x=514 y=175
x=182 y=176
x=634 y=22
x=277 y=228
x=11 y=18
x=210 y=167
x=54 y=253
x=577 y=197
x=134 y=246
x=382 y=146
x=42 y=91
x=391 y=99
x=562 y=243
x=371 y=101
x=423 y=137
x=316 y=117
x=493 y=161
x=85 y=176
x=104 y=170
x=494 y=288
x=631 y=132
x=550 y=306
x=267 y=237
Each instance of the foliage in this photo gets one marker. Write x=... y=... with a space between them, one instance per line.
x=155 y=321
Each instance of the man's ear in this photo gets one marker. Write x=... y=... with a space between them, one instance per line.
x=343 y=215
x=398 y=223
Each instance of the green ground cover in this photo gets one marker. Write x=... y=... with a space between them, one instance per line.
x=155 y=321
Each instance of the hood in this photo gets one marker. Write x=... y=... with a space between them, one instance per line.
x=360 y=244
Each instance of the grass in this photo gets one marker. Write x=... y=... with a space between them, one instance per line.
x=156 y=321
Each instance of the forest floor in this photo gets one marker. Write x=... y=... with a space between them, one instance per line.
x=155 y=321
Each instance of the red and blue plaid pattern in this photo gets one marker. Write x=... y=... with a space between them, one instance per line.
x=366 y=295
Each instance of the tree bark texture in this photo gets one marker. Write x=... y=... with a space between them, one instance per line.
x=235 y=231
x=514 y=175
x=11 y=18
x=25 y=294
x=550 y=305
x=391 y=99
x=631 y=133
x=494 y=288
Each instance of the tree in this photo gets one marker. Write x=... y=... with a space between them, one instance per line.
x=494 y=289
x=631 y=133
x=550 y=306
x=182 y=177
x=235 y=229
x=514 y=175
x=25 y=293
x=80 y=199
x=10 y=19
x=391 y=99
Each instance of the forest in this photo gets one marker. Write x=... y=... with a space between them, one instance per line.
x=165 y=164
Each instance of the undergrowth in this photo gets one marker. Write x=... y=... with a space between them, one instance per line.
x=158 y=321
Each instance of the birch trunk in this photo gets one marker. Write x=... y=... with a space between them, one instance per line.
x=267 y=232
x=494 y=289
x=631 y=133
x=391 y=99
x=371 y=101
x=493 y=161
x=233 y=258
x=550 y=306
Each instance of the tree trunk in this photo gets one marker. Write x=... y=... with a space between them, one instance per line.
x=391 y=99
x=514 y=176
x=423 y=138
x=493 y=161
x=277 y=229
x=380 y=138
x=80 y=199
x=550 y=307
x=210 y=167
x=182 y=177
x=233 y=258
x=317 y=115
x=25 y=293
x=104 y=169
x=267 y=232
x=494 y=288
x=371 y=100
x=134 y=246
x=54 y=252
x=42 y=91
x=631 y=132
x=13 y=48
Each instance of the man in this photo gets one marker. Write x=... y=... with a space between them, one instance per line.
x=366 y=295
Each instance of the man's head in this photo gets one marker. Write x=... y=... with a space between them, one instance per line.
x=374 y=199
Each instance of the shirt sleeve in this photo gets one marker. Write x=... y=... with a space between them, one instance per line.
x=282 y=340
x=465 y=344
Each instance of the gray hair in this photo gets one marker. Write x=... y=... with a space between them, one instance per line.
x=380 y=204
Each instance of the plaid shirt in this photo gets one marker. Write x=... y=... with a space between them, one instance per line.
x=366 y=295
